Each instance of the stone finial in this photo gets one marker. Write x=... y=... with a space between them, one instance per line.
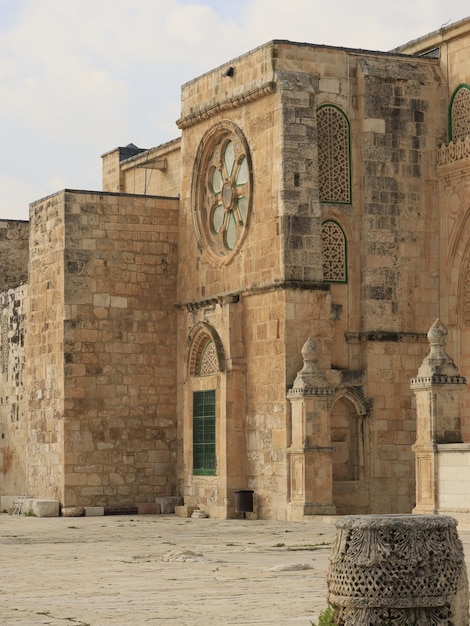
x=438 y=362
x=310 y=375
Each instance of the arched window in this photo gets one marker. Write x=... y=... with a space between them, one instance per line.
x=204 y=365
x=334 y=253
x=334 y=162
x=204 y=359
x=459 y=113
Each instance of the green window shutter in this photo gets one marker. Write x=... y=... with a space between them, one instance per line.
x=204 y=432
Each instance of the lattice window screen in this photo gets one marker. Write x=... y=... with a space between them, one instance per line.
x=460 y=113
x=334 y=253
x=209 y=362
x=333 y=155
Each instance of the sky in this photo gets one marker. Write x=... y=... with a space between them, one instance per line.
x=81 y=77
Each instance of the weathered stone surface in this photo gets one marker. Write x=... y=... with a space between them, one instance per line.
x=148 y=508
x=168 y=503
x=93 y=511
x=73 y=511
x=183 y=556
x=184 y=510
x=45 y=508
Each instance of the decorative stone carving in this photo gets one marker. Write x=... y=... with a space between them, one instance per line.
x=436 y=388
x=310 y=453
x=454 y=152
x=438 y=367
x=405 y=570
x=310 y=378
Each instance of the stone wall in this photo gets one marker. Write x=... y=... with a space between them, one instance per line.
x=44 y=372
x=13 y=399
x=119 y=337
x=14 y=253
x=453 y=481
x=400 y=131
x=371 y=328
x=101 y=366
x=133 y=170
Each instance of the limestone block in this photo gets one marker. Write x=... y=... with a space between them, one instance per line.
x=148 y=508
x=184 y=510
x=73 y=511
x=8 y=502
x=92 y=511
x=45 y=508
x=168 y=503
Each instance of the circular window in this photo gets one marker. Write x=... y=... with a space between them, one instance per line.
x=222 y=192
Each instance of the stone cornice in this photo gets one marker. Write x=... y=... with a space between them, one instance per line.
x=383 y=335
x=250 y=95
x=317 y=392
x=424 y=382
x=234 y=296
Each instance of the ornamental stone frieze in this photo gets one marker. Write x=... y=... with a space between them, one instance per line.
x=454 y=151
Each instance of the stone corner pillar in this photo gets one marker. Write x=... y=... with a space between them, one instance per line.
x=310 y=453
x=436 y=387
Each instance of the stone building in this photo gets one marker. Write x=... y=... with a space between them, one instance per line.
x=243 y=308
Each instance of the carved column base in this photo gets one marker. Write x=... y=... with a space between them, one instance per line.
x=406 y=570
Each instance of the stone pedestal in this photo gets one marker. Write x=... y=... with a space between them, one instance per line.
x=398 y=569
x=310 y=454
x=436 y=387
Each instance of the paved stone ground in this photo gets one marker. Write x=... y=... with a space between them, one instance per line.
x=163 y=570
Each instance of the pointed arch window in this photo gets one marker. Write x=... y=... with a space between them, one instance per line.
x=459 y=113
x=334 y=253
x=204 y=359
x=334 y=162
x=204 y=365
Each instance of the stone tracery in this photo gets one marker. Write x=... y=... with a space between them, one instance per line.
x=222 y=192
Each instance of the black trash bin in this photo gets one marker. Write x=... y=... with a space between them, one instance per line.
x=244 y=501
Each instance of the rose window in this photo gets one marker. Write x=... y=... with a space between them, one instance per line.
x=222 y=193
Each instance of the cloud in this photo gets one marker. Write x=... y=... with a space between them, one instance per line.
x=80 y=77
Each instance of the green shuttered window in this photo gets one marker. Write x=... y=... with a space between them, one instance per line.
x=204 y=432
